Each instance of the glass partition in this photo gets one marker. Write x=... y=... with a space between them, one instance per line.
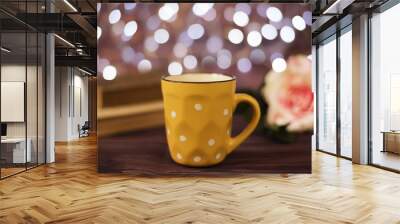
x=385 y=89
x=22 y=77
x=327 y=96
x=41 y=96
x=31 y=100
x=346 y=93
x=14 y=145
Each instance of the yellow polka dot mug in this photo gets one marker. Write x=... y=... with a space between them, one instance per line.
x=198 y=110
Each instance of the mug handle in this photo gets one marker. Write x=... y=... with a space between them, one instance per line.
x=236 y=141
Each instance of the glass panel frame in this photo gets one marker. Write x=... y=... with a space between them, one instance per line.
x=326 y=106
x=14 y=145
x=345 y=93
x=383 y=70
x=338 y=129
x=31 y=65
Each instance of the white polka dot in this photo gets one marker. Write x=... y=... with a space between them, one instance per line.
x=198 y=107
x=197 y=159
x=182 y=138
x=226 y=112
x=173 y=114
x=218 y=156
x=211 y=142
x=178 y=156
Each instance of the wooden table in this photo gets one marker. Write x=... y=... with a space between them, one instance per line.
x=145 y=152
x=391 y=141
x=13 y=150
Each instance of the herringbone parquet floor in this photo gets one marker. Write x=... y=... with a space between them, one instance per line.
x=71 y=191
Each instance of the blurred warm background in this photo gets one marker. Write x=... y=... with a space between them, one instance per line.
x=140 y=42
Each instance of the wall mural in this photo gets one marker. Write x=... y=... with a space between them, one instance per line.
x=266 y=47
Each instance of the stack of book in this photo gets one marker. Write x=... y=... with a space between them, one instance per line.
x=129 y=103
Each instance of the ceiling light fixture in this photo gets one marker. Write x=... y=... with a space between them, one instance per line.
x=70 y=5
x=5 y=50
x=64 y=40
x=84 y=71
x=337 y=7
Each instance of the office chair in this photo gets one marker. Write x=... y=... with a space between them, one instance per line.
x=84 y=130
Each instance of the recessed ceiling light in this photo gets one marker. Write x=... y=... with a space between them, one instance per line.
x=64 y=40
x=70 y=5
x=5 y=50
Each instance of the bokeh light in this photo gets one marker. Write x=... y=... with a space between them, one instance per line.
x=185 y=39
x=150 y=44
x=144 y=66
x=128 y=54
x=153 y=23
x=168 y=11
x=214 y=44
x=299 y=23
x=109 y=72
x=287 y=34
x=210 y=15
x=161 y=36
x=242 y=39
x=269 y=32
x=208 y=61
x=118 y=28
x=274 y=14
x=235 y=36
x=307 y=16
x=114 y=16
x=257 y=56
x=180 y=50
x=254 y=38
x=240 y=18
x=195 y=31
x=224 y=59
x=129 y=6
x=190 y=62
x=200 y=9
x=244 y=65
x=99 y=30
x=175 y=68
x=279 y=65
x=130 y=28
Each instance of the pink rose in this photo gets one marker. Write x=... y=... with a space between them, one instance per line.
x=289 y=95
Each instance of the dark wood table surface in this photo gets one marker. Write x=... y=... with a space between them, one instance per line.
x=145 y=153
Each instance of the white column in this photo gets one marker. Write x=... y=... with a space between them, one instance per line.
x=314 y=88
x=50 y=99
x=360 y=90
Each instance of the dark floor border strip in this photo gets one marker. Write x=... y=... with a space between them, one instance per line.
x=29 y=168
x=370 y=164
x=333 y=154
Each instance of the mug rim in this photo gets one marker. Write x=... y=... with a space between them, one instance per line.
x=233 y=78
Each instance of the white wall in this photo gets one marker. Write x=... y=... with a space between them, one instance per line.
x=70 y=83
x=33 y=126
x=16 y=73
x=62 y=81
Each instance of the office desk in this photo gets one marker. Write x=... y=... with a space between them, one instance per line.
x=13 y=150
x=391 y=141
